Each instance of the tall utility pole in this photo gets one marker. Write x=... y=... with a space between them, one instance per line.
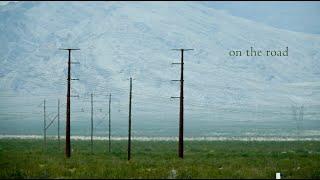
x=181 y=97
x=44 y=126
x=59 y=123
x=91 y=123
x=68 y=145
x=110 y=122
x=129 y=133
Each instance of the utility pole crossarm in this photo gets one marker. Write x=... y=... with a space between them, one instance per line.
x=70 y=49
x=182 y=49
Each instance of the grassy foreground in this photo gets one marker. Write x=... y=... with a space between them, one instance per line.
x=203 y=159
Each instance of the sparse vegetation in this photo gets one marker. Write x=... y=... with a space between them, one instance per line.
x=203 y=159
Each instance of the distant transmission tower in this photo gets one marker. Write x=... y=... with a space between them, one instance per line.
x=298 y=118
x=45 y=126
x=300 y=121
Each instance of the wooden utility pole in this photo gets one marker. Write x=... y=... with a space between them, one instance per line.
x=91 y=123
x=110 y=122
x=68 y=144
x=299 y=124
x=59 y=124
x=44 y=126
x=181 y=97
x=129 y=133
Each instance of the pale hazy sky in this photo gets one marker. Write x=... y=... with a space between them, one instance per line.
x=4 y=2
x=295 y=16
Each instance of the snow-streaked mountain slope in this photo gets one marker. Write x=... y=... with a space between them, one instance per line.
x=122 y=39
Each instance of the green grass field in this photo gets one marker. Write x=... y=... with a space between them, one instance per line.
x=158 y=159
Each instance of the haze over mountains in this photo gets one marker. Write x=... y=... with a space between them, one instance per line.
x=121 y=39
